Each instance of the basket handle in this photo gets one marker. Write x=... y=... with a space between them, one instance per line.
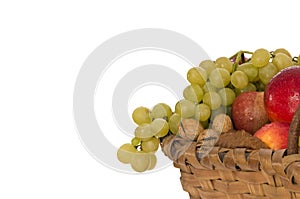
x=293 y=137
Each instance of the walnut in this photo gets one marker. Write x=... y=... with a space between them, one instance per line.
x=222 y=123
x=190 y=129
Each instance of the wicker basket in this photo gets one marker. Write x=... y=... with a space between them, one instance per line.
x=240 y=173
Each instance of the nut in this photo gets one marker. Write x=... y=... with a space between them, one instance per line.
x=190 y=129
x=222 y=123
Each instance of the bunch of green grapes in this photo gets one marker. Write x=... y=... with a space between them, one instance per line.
x=213 y=88
x=151 y=126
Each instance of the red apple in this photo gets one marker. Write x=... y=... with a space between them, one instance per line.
x=282 y=94
x=248 y=112
x=274 y=135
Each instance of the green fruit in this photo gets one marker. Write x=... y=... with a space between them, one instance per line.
x=161 y=110
x=125 y=152
x=141 y=115
x=197 y=75
x=260 y=57
x=193 y=93
x=160 y=127
x=219 y=77
x=185 y=108
x=174 y=123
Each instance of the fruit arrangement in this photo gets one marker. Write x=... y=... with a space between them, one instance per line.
x=246 y=100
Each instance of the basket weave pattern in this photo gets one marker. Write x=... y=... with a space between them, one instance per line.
x=238 y=173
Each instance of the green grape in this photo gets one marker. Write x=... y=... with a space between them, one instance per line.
x=125 y=152
x=193 y=93
x=208 y=87
x=284 y=51
x=141 y=115
x=153 y=161
x=174 y=123
x=239 y=79
x=249 y=87
x=143 y=131
x=224 y=62
x=250 y=70
x=202 y=112
x=161 y=110
x=208 y=66
x=150 y=145
x=267 y=72
x=219 y=78
x=185 y=108
x=260 y=57
x=197 y=75
x=282 y=61
x=160 y=127
x=227 y=96
x=212 y=99
x=136 y=141
x=140 y=161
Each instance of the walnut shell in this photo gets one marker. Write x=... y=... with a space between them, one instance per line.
x=190 y=129
x=222 y=123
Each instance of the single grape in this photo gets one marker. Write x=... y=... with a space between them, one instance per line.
x=227 y=96
x=153 y=161
x=125 y=152
x=260 y=57
x=161 y=110
x=239 y=79
x=219 y=78
x=141 y=115
x=249 y=87
x=160 y=127
x=267 y=72
x=140 y=161
x=250 y=70
x=144 y=131
x=193 y=93
x=174 y=123
x=208 y=87
x=136 y=141
x=202 y=112
x=284 y=51
x=150 y=145
x=212 y=99
x=282 y=61
x=185 y=108
x=208 y=66
x=224 y=62
x=197 y=75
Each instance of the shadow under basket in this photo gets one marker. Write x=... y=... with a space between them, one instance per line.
x=241 y=173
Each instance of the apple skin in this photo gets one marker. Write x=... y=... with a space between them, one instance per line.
x=282 y=95
x=274 y=135
x=248 y=111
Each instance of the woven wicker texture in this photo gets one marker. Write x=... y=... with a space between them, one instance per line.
x=237 y=173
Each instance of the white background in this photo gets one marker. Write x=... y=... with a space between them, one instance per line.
x=42 y=48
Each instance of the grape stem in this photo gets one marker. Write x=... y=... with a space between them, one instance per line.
x=239 y=58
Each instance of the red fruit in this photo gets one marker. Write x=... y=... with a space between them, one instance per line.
x=248 y=112
x=274 y=135
x=282 y=94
